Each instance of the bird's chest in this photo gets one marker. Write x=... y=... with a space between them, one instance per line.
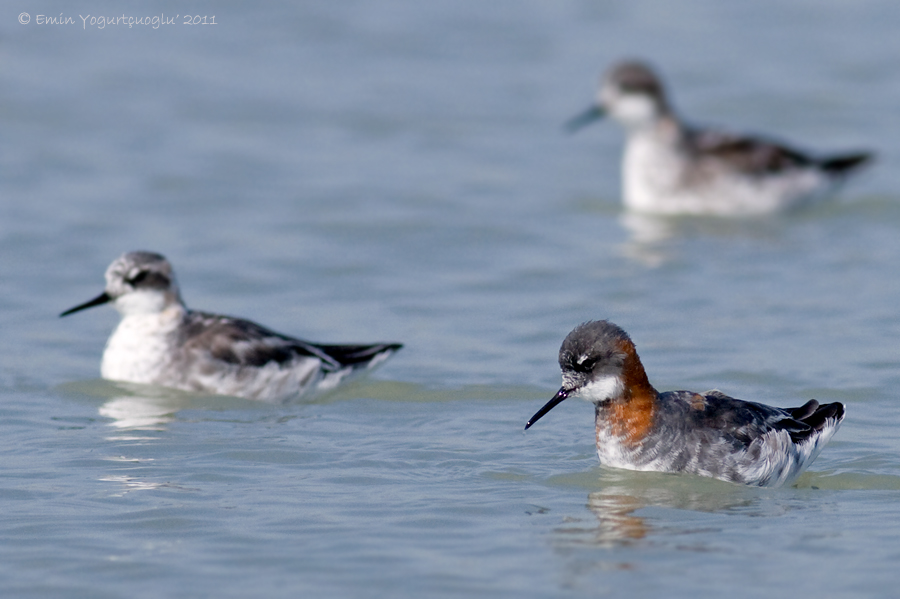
x=651 y=171
x=624 y=434
x=612 y=449
x=140 y=348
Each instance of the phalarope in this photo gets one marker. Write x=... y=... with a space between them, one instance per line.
x=671 y=168
x=710 y=434
x=160 y=342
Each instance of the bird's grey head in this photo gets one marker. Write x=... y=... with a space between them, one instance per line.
x=592 y=359
x=633 y=94
x=139 y=271
x=137 y=282
x=630 y=93
x=593 y=351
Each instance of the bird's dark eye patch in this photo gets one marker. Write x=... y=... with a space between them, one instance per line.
x=148 y=279
x=640 y=87
x=585 y=365
x=138 y=278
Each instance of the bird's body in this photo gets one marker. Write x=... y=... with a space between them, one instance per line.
x=161 y=342
x=671 y=168
x=709 y=434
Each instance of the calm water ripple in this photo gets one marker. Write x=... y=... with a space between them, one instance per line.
x=392 y=170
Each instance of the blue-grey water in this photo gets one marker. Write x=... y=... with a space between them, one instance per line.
x=396 y=171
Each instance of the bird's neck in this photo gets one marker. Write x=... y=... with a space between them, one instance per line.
x=662 y=127
x=628 y=417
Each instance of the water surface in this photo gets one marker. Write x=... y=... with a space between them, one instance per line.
x=352 y=172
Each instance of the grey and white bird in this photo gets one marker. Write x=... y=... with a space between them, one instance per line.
x=709 y=434
x=671 y=168
x=159 y=341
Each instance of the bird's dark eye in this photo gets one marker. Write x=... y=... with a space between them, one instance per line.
x=640 y=86
x=133 y=281
x=587 y=364
x=148 y=279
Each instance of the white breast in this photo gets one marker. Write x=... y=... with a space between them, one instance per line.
x=651 y=172
x=141 y=347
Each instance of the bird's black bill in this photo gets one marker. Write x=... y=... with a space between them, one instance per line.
x=584 y=119
x=560 y=396
x=100 y=299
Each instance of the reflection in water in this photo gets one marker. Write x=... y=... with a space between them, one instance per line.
x=135 y=407
x=143 y=408
x=615 y=515
x=139 y=413
x=647 y=235
x=615 y=507
x=635 y=517
x=130 y=484
x=653 y=239
x=127 y=484
x=616 y=532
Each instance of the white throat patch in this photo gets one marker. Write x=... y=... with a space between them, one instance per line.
x=141 y=302
x=602 y=388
